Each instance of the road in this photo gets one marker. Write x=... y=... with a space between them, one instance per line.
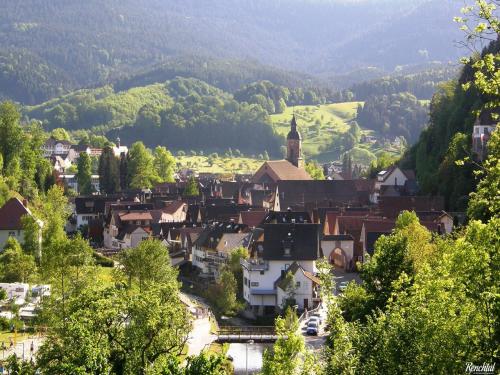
x=315 y=343
x=200 y=336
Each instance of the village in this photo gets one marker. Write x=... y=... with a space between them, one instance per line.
x=285 y=221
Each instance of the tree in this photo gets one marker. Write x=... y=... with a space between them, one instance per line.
x=60 y=134
x=130 y=329
x=355 y=130
x=32 y=236
x=227 y=301
x=164 y=163
x=192 y=188
x=15 y=265
x=141 y=169
x=403 y=252
x=84 y=173
x=315 y=171
x=10 y=132
x=289 y=286
x=285 y=358
x=109 y=171
x=148 y=263
x=485 y=201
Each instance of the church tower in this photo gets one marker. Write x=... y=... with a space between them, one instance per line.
x=294 y=146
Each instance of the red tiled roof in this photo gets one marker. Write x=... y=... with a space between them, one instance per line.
x=11 y=213
x=174 y=207
x=129 y=216
x=252 y=218
x=281 y=170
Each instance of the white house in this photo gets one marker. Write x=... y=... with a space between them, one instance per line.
x=55 y=147
x=306 y=288
x=284 y=245
x=393 y=176
x=16 y=292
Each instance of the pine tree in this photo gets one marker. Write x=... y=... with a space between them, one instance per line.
x=109 y=167
x=84 y=174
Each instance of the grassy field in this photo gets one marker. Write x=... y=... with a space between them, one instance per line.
x=205 y=164
x=317 y=124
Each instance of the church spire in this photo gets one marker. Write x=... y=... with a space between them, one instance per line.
x=294 y=145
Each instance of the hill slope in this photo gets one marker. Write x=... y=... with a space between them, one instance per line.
x=88 y=43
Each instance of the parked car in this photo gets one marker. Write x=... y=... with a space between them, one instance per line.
x=314 y=319
x=312 y=328
x=343 y=285
x=317 y=315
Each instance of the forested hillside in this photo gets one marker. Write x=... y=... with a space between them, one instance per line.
x=180 y=114
x=394 y=115
x=421 y=84
x=447 y=140
x=67 y=44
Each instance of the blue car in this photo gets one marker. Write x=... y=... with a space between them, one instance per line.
x=312 y=328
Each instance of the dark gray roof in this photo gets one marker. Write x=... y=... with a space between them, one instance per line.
x=295 y=193
x=282 y=217
x=302 y=240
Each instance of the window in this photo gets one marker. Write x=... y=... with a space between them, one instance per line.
x=261 y=272
x=245 y=281
x=12 y=234
x=254 y=283
x=297 y=284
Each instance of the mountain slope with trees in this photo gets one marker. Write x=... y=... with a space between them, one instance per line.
x=72 y=44
x=448 y=139
x=181 y=114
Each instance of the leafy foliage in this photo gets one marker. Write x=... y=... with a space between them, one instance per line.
x=394 y=115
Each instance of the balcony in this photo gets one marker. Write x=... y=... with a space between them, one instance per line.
x=254 y=265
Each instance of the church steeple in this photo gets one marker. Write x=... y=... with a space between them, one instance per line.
x=294 y=145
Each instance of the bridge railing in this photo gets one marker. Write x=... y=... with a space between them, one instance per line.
x=240 y=330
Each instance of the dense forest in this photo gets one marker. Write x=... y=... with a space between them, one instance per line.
x=394 y=115
x=182 y=113
x=422 y=84
x=447 y=140
x=63 y=45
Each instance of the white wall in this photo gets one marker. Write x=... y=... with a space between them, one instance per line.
x=267 y=279
x=4 y=236
x=304 y=291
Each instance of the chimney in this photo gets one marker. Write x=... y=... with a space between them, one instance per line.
x=25 y=202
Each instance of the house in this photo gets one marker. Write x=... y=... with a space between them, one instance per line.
x=11 y=214
x=209 y=254
x=54 y=146
x=16 y=292
x=71 y=182
x=391 y=207
x=283 y=245
x=298 y=195
x=130 y=236
x=397 y=179
x=279 y=170
x=292 y=168
x=306 y=287
x=252 y=218
x=180 y=243
x=481 y=134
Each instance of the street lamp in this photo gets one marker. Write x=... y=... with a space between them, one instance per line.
x=246 y=355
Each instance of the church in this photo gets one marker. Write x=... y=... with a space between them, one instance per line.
x=292 y=168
